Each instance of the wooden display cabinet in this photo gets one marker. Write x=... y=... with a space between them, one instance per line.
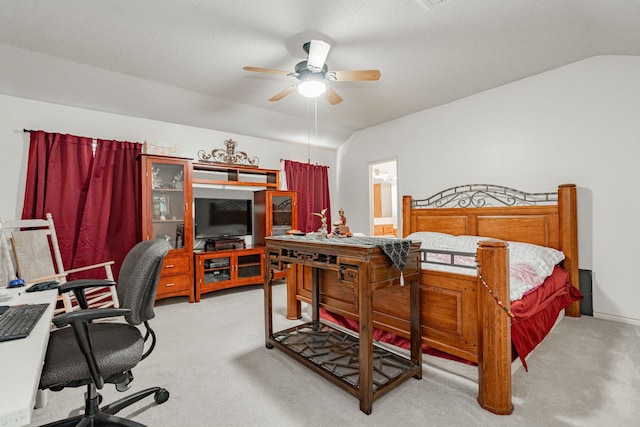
x=276 y=212
x=166 y=214
x=228 y=269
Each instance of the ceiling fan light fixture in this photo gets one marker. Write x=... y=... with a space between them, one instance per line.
x=312 y=88
x=313 y=73
x=318 y=52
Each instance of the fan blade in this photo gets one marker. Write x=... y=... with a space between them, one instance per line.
x=318 y=52
x=356 y=75
x=332 y=96
x=265 y=70
x=278 y=96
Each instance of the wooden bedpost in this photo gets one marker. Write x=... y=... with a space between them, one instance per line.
x=406 y=216
x=494 y=328
x=568 y=225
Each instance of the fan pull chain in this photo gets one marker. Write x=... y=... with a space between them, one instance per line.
x=309 y=130
x=315 y=124
x=315 y=112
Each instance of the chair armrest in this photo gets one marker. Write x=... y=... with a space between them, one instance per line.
x=83 y=284
x=78 y=287
x=86 y=316
x=89 y=267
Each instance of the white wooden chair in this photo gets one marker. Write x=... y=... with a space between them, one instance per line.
x=31 y=247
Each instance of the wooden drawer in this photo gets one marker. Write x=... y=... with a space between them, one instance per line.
x=176 y=264
x=176 y=278
x=175 y=285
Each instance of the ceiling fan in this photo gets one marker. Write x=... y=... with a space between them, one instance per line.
x=313 y=73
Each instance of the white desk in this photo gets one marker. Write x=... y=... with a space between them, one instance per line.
x=21 y=361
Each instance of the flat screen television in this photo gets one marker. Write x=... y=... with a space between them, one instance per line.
x=220 y=218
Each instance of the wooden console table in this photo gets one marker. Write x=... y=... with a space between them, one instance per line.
x=346 y=360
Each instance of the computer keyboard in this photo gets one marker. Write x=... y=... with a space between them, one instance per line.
x=17 y=321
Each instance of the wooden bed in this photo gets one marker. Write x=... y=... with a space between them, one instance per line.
x=458 y=315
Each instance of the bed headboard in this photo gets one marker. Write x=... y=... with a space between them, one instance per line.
x=546 y=219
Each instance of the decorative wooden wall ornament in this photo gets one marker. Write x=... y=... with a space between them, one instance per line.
x=228 y=156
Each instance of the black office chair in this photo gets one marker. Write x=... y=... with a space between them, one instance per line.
x=94 y=353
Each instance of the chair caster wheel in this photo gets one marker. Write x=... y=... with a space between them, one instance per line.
x=161 y=396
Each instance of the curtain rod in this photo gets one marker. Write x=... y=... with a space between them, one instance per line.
x=31 y=130
x=317 y=164
x=78 y=136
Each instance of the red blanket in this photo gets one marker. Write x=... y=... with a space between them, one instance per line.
x=535 y=315
x=538 y=310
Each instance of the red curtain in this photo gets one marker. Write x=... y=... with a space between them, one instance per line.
x=312 y=184
x=94 y=199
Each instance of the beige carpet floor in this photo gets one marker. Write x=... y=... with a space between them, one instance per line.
x=212 y=358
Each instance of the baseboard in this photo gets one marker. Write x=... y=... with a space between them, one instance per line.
x=619 y=319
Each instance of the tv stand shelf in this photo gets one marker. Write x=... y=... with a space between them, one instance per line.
x=225 y=269
x=220 y=174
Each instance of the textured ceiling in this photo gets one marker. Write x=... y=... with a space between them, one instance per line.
x=181 y=60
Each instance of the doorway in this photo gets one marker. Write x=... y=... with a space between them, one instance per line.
x=384 y=198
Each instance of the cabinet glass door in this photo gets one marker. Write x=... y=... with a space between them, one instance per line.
x=217 y=269
x=282 y=215
x=168 y=203
x=249 y=265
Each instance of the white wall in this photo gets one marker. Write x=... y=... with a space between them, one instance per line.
x=576 y=124
x=17 y=114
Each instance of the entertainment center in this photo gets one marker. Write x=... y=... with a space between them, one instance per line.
x=172 y=212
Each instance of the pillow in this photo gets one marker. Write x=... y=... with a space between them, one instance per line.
x=529 y=266
x=540 y=258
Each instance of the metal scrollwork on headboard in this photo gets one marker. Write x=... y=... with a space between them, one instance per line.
x=484 y=195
